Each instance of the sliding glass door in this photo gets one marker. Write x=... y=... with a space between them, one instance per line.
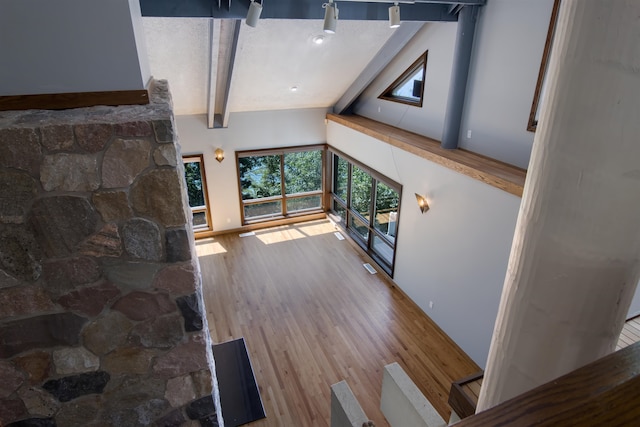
x=367 y=205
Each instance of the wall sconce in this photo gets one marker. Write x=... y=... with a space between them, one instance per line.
x=422 y=203
x=219 y=154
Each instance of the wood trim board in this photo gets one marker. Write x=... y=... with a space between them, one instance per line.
x=63 y=101
x=492 y=172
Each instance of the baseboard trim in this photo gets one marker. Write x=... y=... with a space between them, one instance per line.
x=261 y=225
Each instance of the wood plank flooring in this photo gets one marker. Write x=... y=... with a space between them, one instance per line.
x=312 y=316
x=630 y=333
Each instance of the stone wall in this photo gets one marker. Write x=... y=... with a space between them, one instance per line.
x=101 y=311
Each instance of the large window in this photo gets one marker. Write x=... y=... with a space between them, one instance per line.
x=367 y=205
x=280 y=183
x=195 y=178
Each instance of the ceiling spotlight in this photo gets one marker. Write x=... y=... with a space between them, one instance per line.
x=293 y=88
x=318 y=40
x=394 y=16
x=330 y=17
x=253 y=15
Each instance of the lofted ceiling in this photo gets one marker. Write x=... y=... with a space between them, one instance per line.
x=270 y=59
x=216 y=64
x=178 y=51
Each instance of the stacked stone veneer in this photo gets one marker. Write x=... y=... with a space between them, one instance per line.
x=101 y=319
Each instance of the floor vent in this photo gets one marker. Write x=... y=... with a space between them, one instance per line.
x=369 y=268
x=339 y=235
x=250 y=233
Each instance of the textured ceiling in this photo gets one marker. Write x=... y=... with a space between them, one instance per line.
x=178 y=50
x=279 y=54
x=270 y=59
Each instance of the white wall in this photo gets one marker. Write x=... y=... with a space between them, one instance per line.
x=634 y=309
x=508 y=46
x=509 y=41
x=140 y=40
x=454 y=255
x=70 y=46
x=439 y=40
x=246 y=131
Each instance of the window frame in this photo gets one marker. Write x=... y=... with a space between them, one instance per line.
x=283 y=197
x=415 y=66
x=539 y=93
x=192 y=158
x=366 y=244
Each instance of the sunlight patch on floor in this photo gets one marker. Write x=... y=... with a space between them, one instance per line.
x=313 y=230
x=278 y=236
x=299 y=231
x=209 y=247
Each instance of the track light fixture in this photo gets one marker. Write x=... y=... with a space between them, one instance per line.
x=330 y=17
x=253 y=15
x=394 y=16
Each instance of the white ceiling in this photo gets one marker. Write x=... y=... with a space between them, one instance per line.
x=178 y=50
x=270 y=59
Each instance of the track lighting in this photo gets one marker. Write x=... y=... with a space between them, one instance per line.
x=394 y=16
x=330 y=17
x=253 y=15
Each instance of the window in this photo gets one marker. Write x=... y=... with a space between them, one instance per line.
x=280 y=183
x=360 y=191
x=340 y=179
x=541 y=85
x=366 y=204
x=409 y=87
x=197 y=190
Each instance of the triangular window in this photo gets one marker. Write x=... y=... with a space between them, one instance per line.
x=409 y=87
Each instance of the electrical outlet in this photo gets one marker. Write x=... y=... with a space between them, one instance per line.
x=379 y=109
x=430 y=304
x=469 y=134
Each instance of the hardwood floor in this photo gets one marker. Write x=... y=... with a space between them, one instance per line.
x=312 y=316
x=630 y=333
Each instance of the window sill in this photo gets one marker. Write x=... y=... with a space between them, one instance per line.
x=279 y=219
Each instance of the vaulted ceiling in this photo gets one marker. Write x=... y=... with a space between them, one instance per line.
x=216 y=64
x=271 y=59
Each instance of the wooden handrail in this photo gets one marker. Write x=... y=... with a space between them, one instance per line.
x=603 y=393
